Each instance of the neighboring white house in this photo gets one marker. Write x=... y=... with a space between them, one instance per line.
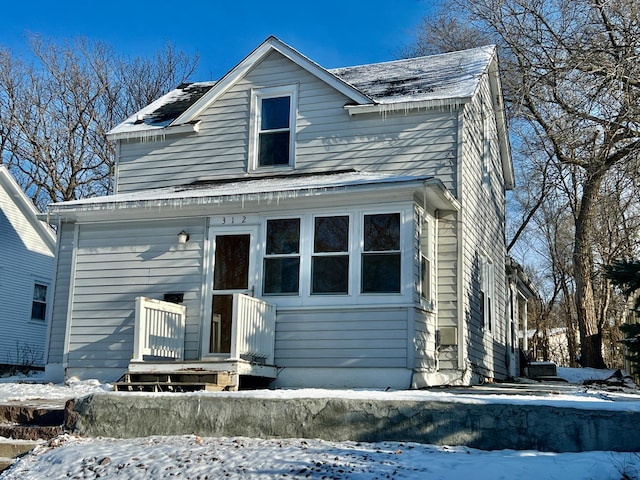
x=26 y=273
x=320 y=228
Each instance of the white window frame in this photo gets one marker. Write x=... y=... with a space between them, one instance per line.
x=33 y=300
x=267 y=256
x=349 y=254
x=362 y=253
x=257 y=96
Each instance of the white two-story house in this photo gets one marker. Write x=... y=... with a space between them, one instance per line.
x=302 y=226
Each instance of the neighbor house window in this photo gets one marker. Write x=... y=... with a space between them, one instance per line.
x=282 y=257
x=330 y=259
x=381 y=255
x=39 y=303
x=487 y=288
x=426 y=260
x=274 y=127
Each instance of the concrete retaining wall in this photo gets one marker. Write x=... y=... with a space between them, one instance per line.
x=488 y=426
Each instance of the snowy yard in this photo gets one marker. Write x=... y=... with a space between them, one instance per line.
x=192 y=457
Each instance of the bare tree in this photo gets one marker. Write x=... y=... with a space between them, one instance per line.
x=571 y=78
x=55 y=111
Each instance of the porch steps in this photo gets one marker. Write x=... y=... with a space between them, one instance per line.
x=23 y=427
x=175 y=382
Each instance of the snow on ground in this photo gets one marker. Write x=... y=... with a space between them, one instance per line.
x=192 y=457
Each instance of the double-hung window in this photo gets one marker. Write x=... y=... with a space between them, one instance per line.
x=330 y=259
x=426 y=260
x=273 y=133
x=282 y=257
x=381 y=256
x=39 y=303
x=487 y=289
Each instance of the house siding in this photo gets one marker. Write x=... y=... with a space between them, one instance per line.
x=341 y=337
x=327 y=138
x=62 y=290
x=115 y=263
x=483 y=210
x=27 y=259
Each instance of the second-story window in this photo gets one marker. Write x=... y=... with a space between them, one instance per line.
x=273 y=134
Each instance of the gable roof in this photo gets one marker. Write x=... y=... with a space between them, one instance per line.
x=435 y=80
x=26 y=207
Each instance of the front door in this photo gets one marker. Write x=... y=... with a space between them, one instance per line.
x=233 y=272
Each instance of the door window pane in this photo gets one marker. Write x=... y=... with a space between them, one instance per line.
x=231 y=268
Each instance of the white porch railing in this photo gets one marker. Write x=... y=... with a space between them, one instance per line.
x=159 y=329
x=253 y=328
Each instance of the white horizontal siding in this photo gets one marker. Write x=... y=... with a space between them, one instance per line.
x=26 y=259
x=327 y=138
x=60 y=302
x=484 y=217
x=339 y=338
x=115 y=263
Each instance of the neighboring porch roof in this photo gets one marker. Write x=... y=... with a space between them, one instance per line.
x=263 y=189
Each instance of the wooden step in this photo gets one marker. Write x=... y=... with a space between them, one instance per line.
x=174 y=382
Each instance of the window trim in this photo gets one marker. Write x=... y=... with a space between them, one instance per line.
x=363 y=253
x=257 y=96
x=348 y=253
x=46 y=301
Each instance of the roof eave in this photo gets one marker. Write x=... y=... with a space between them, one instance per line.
x=156 y=132
x=406 y=106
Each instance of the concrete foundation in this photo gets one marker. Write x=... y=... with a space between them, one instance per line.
x=485 y=426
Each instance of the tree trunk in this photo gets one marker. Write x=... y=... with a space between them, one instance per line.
x=590 y=334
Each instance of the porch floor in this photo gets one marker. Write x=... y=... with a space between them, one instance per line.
x=212 y=374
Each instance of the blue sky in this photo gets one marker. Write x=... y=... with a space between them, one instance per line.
x=333 y=33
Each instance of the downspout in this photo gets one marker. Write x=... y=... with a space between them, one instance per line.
x=462 y=327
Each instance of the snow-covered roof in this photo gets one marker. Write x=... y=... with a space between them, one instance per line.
x=447 y=79
x=446 y=76
x=262 y=189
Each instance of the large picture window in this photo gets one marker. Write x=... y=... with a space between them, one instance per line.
x=273 y=127
x=330 y=260
x=282 y=257
x=381 y=255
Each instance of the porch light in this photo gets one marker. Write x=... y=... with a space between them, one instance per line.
x=183 y=237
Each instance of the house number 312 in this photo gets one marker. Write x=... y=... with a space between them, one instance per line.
x=233 y=220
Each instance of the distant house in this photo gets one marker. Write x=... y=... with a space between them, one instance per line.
x=26 y=273
x=303 y=226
